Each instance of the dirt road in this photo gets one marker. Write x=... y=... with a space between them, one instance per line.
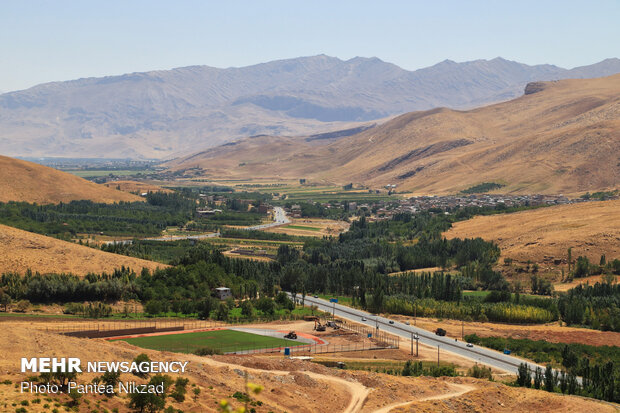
x=460 y=390
x=358 y=391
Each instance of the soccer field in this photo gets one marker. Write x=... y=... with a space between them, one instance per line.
x=224 y=341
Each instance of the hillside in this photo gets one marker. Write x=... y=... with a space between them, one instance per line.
x=160 y=114
x=22 y=250
x=544 y=235
x=559 y=137
x=289 y=385
x=30 y=182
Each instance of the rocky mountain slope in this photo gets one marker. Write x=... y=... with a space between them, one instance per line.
x=163 y=113
x=560 y=137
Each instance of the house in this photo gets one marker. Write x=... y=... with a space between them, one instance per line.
x=223 y=293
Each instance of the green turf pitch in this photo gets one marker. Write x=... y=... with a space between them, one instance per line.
x=226 y=341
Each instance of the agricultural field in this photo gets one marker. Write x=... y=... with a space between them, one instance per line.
x=311 y=227
x=82 y=173
x=291 y=191
x=220 y=341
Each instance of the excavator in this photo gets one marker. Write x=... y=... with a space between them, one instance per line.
x=318 y=326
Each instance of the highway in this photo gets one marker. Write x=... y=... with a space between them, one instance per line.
x=481 y=355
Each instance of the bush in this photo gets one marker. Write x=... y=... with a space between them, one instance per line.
x=21 y=306
x=73 y=308
x=480 y=372
x=206 y=351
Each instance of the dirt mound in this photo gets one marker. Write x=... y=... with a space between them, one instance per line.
x=31 y=182
x=22 y=250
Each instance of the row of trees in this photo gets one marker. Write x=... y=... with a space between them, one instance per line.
x=600 y=381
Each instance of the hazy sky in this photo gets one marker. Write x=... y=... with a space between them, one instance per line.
x=43 y=41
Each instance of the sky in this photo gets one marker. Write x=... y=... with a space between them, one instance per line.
x=42 y=41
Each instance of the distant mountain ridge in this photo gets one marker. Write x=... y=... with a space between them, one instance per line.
x=160 y=114
x=561 y=137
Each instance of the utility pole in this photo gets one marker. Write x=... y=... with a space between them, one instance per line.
x=412 y=343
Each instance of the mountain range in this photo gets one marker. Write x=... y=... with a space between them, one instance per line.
x=163 y=114
x=558 y=137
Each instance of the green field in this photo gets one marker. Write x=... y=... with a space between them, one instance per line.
x=105 y=172
x=302 y=228
x=224 y=341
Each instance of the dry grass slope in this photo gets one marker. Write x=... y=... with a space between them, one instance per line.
x=289 y=385
x=564 y=138
x=20 y=250
x=31 y=182
x=591 y=229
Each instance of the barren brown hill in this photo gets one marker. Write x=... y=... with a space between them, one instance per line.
x=249 y=157
x=31 y=182
x=21 y=250
x=560 y=137
x=544 y=235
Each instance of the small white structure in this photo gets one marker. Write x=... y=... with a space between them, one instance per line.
x=223 y=293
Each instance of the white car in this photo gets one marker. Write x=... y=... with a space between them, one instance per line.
x=469 y=345
x=364 y=319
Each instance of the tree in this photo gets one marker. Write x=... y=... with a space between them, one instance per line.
x=407 y=369
x=196 y=392
x=75 y=397
x=582 y=267
x=180 y=388
x=538 y=378
x=569 y=358
x=110 y=378
x=5 y=299
x=141 y=358
x=266 y=305
x=146 y=402
x=524 y=377
x=284 y=302
x=205 y=307
x=247 y=309
x=563 y=382
x=153 y=307
x=549 y=379
x=222 y=312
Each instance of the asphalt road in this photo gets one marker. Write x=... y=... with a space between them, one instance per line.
x=481 y=355
x=279 y=218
